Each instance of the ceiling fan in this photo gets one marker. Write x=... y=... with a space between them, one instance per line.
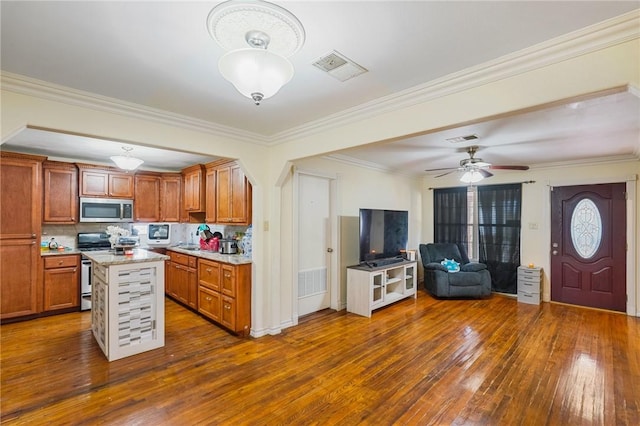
x=474 y=168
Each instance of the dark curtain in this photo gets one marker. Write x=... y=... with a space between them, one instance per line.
x=450 y=215
x=499 y=234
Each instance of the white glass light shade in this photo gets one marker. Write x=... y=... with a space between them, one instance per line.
x=471 y=176
x=126 y=162
x=256 y=71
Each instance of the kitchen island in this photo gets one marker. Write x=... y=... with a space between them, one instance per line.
x=127 y=315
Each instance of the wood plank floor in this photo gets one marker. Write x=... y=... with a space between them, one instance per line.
x=424 y=361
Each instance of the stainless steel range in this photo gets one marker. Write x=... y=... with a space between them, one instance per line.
x=89 y=241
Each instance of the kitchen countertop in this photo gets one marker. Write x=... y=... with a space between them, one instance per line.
x=108 y=257
x=234 y=259
x=67 y=251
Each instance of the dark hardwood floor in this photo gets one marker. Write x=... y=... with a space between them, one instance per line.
x=424 y=361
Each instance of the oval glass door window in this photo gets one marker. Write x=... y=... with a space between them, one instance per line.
x=586 y=228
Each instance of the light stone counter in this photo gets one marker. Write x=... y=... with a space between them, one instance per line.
x=233 y=259
x=107 y=257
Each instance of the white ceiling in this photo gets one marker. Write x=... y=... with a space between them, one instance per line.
x=160 y=55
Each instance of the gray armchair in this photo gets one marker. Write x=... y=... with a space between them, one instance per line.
x=473 y=279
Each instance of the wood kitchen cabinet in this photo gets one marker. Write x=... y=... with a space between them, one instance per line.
x=182 y=282
x=146 y=206
x=60 y=193
x=194 y=189
x=105 y=182
x=232 y=203
x=170 y=197
x=20 y=229
x=61 y=282
x=224 y=294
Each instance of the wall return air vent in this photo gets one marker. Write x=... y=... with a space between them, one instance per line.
x=339 y=66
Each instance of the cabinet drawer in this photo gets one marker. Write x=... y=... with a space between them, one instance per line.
x=51 y=262
x=183 y=259
x=209 y=274
x=529 y=286
x=528 y=297
x=529 y=272
x=209 y=303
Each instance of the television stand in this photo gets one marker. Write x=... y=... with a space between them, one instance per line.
x=370 y=288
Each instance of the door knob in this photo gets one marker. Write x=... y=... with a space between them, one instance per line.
x=329 y=250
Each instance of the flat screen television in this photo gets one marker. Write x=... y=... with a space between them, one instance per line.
x=383 y=233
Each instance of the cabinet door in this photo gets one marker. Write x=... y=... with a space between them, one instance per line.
x=94 y=183
x=209 y=303
x=223 y=195
x=20 y=198
x=210 y=197
x=20 y=288
x=194 y=190
x=121 y=185
x=147 y=198
x=181 y=283
x=377 y=288
x=61 y=288
x=170 y=193
x=240 y=197
x=227 y=280
x=228 y=313
x=192 y=288
x=60 y=194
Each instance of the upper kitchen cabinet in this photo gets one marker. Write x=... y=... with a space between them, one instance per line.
x=232 y=194
x=170 y=197
x=20 y=227
x=146 y=206
x=60 y=193
x=20 y=196
x=194 y=189
x=96 y=181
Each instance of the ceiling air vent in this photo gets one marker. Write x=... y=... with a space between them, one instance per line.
x=339 y=66
x=466 y=138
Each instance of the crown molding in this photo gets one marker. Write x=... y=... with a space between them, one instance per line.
x=589 y=39
x=586 y=40
x=41 y=89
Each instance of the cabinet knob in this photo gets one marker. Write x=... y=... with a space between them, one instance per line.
x=227 y=307
x=208 y=299
x=209 y=270
x=60 y=262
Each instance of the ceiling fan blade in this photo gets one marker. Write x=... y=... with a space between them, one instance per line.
x=485 y=173
x=440 y=170
x=494 y=167
x=447 y=173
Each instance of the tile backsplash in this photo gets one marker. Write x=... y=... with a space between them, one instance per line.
x=66 y=235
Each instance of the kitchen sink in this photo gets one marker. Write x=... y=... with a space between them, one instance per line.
x=191 y=247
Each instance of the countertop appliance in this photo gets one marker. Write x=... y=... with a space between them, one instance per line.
x=89 y=241
x=228 y=246
x=105 y=210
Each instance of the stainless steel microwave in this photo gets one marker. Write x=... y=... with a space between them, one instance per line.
x=105 y=210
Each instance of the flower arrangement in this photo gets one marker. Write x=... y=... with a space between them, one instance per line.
x=115 y=232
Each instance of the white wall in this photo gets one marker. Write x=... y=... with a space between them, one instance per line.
x=536 y=212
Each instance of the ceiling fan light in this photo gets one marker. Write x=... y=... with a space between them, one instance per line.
x=471 y=176
x=125 y=162
x=256 y=73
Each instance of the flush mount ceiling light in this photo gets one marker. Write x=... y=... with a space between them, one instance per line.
x=126 y=161
x=259 y=37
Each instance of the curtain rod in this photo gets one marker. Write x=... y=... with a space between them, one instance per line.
x=446 y=187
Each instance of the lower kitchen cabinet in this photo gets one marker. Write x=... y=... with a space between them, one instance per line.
x=182 y=281
x=20 y=279
x=224 y=294
x=61 y=282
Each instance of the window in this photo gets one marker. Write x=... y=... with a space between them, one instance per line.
x=486 y=221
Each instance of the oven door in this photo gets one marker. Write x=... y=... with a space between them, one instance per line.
x=85 y=285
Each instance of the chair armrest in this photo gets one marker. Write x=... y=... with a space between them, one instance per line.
x=473 y=267
x=434 y=266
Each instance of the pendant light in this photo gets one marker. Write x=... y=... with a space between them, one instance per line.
x=126 y=161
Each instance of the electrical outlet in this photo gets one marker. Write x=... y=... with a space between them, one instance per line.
x=533 y=225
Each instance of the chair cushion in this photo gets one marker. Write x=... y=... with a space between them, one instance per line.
x=465 y=279
x=473 y=267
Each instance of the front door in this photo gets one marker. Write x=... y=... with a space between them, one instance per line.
x=588 y=246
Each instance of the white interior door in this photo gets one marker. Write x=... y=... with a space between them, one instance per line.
x=314 y=243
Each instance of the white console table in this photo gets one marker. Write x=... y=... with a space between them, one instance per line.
x=372 y=288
